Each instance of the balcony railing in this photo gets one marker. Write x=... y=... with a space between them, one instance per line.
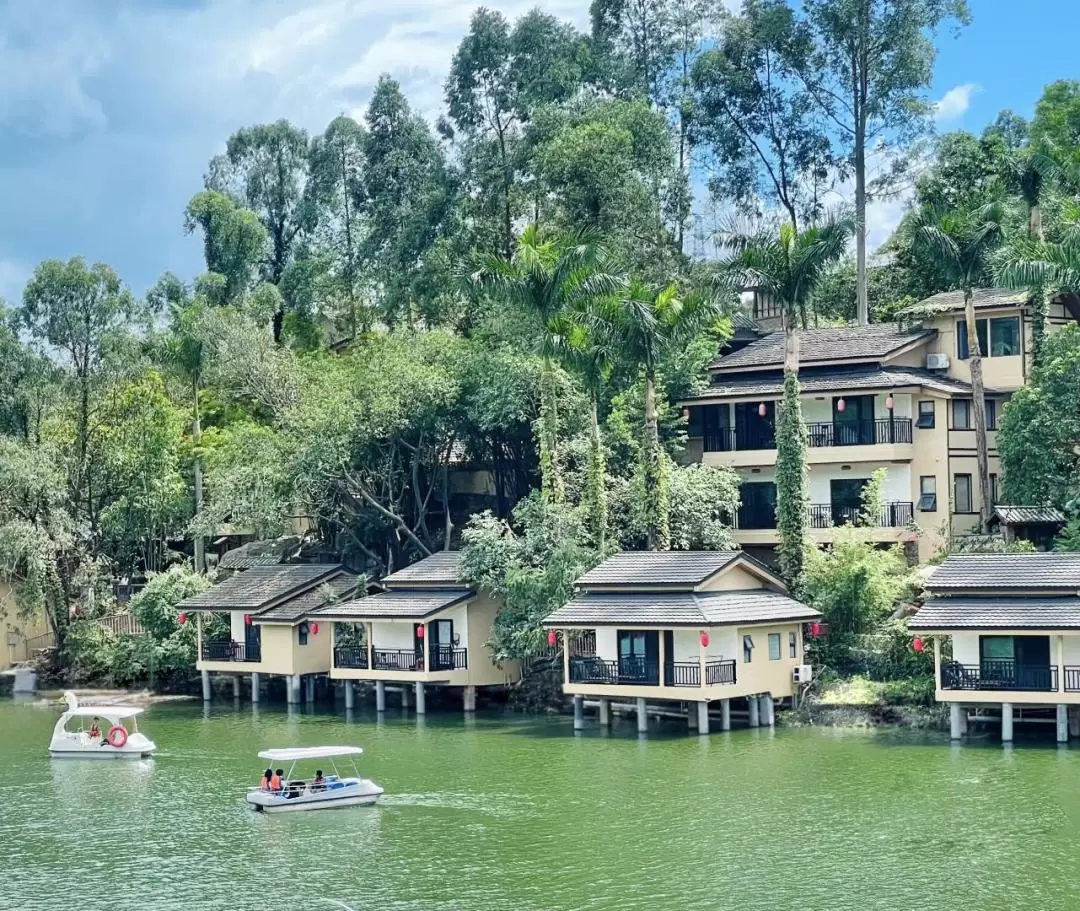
x=719 y=672
x=821 y=434
x=352 y=656
x=397 y=659
x=1072 y=678
x=230 y=651
x=447 y=658
x=826 y=515
x=1003 y=674
x=682 y=673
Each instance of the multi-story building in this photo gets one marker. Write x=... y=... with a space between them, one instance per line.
x=893 y=396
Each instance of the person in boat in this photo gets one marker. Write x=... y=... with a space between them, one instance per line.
x=276 y=782
x=318 y=783
x=266 y=779
x=95 y=729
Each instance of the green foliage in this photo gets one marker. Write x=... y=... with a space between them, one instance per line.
x=792 y=495
x=1069 y=537
x=234 y=241
x=872 y=498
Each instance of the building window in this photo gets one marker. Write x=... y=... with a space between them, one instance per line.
x=1004 y=336
x=993 y=490
x=962 y=340
x=793 y=645
x=747 y=649
x=961 y=414
x=991 y=414
x=962 y=493
x=928 y=493
x=302 y=634
x=926 y=415
x=774 y=646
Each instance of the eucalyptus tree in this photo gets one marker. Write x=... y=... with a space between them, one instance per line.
x=788 y=265
x=234 y=241
x=960 y=245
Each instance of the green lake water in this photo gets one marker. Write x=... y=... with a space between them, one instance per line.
x=505 y=813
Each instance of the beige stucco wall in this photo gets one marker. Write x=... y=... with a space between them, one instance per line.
x=280 y=652
x=19 y=635
x=735 y=578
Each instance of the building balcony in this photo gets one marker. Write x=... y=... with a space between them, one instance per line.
x=827 y=515
x=828 y=441
x=1007 y=676
x=227 y=650
x=640 y=672
x=436 y=659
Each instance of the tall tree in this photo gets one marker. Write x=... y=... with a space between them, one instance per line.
x=757 y=122
x=266 y=166
x=636 y=37
x=960 y=244
x=648 y=324
x=234 y=240
x=873 y=65
x=788 y=265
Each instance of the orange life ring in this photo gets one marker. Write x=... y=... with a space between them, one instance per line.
x=117 y=736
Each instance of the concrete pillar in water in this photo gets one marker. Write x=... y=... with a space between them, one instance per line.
x=767 y=710
x=310 y=682
x=236 y=687
x=420 y=706
x=206 y=686
x=255 y=688
x=956 y=713
x=579 y=713
x=752 y=709
x=350 y=696
x=605 y=713
x=1062 y=724
x=642 y=717
x=468 y=699
x=405 y=696
x=703 y=718
x=1006 y=722
x=380 y=696
x=691 y=716
x=725 y=714
x=295 y=682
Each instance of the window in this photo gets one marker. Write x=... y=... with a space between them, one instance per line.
x=302 y=633
x=1004 y=336
x=793 y=645
x=928 y=493
x=926 y=415
x=747 y=649
x=962 y=341
x=962 y=493
x=961 y=414
x=774 y=646
x=993 y=490
x=991 y=414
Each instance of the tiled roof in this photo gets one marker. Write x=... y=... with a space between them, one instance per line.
x=1029 y=515
x=438 y=569
x=413 y=602
x=673 y=567
x=680 y=609
x=1007 y=572
x=291 y=611
x=257 y=553
x=844 y=343
x=260 y=587
x=997 y=613
x=811 y=381
x=981 y=298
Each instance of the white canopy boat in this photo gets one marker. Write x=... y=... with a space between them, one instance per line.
x=316 y=793
x=114 y=736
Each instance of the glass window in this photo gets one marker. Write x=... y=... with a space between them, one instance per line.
x=302 y=633
x=793 y=645
x=991 y=414
x=993 y=490
x=747 y=648
x=996 y=648
x=961 y=338
x=961 y=414
x=1004 y=336
x=962 y=493
x=928 y=493
x=926 y=415
x=774 y=646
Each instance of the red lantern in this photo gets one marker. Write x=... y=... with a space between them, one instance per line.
x=420 y=631
x=247 y=619
x=762 y=410
x=704 y=639
x=918 y=644
x=890 y=402
x=815 y=629
x=553 y=638
x=840 y=404
x=182 y=618
x=314 y=629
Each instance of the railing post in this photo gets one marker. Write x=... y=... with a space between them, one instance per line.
x=1061 y=664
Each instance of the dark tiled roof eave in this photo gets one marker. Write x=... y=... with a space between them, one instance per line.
x=294 y=610
x=847 y=343
x=400 y=603
x=672 y=609
x=1029 y=515
x=438 y=569
x=873 y=378
x=1007 y=572
x=981 y=299
x=260 y=587
x=629 y=568
x=989 y=613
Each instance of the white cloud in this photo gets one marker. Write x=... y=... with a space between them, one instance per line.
x=955 y=102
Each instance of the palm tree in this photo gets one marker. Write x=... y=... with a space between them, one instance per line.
x=645 y=325
x=788 y=265
x=959 y=245
x=546 y=276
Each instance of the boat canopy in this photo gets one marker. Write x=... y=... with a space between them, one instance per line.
x=297 y=753
x=103 y=711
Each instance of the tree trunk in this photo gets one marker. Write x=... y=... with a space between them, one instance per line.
x=792 y=498
x=862 y=303
x=1038 y=302
x=596 y=495
x=978 y=396
x=1035 y=225
x=551 y=485
x=657 y=520
x=196 y=437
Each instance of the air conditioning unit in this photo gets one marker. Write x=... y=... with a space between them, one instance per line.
x=803 y=673
x=937 y=361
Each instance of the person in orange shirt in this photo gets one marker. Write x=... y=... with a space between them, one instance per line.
x=95 y=729
x=267 y=777
x=276 y=782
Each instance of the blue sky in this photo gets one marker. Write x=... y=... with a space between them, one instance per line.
x=112 y=108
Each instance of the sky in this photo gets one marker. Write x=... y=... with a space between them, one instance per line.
x=111 y=109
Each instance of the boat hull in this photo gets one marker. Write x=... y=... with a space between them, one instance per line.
x=101 y=754
x=362 y=793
